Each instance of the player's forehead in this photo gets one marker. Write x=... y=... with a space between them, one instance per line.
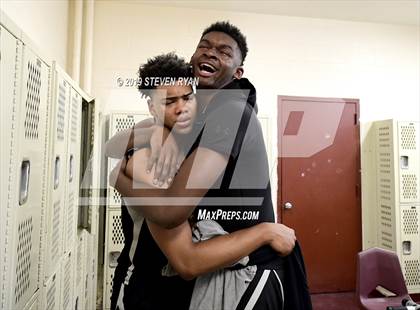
x=170 y=91
x=219 y=38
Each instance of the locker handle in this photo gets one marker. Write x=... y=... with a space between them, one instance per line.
x=406 y=246
x=24 y=182
x=113 y=257
x=57 y=172
x=71 y=168
x=404 y=162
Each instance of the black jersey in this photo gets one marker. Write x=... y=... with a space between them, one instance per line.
x=241 y=198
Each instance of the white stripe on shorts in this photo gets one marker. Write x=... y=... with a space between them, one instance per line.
x=281 y=288
x=257 y=292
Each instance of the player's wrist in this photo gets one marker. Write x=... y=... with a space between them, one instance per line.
x=266 y=233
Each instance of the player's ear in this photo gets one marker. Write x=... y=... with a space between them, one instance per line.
x=238 y=73
x=151 y=106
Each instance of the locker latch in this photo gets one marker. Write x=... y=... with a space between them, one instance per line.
x=57 y=172
x=24 y=182
x=406 y=247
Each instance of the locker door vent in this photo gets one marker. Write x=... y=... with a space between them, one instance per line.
x=61 y=111
x=51 y=295
x=74 y=114
x=123 y=123
x=23 y=266
x=117 y=232
x=385 y=188
x=409 y=186
x=116 y=196
x=411 y=222
x=111 y=281
x=384 y=131
x=386 y=226
x=408 y=137
x=67 y=282
x=70 y=217
x=386 y=219
x=79 y=263
x=412 y=272
x=385 y=163
x=384 y=137
x=385 y=191
x=33 y=100
x=55 y=251
x=386 y=240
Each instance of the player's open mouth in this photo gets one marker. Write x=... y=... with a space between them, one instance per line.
x=206 y=70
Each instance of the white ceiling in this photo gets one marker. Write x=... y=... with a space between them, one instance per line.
x=405 y=12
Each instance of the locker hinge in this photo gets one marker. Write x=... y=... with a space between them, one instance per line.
x=355 y=118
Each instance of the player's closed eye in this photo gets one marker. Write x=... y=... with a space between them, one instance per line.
x=169 y=102
x=225 y=53
x=203 y=46
x=188 y=97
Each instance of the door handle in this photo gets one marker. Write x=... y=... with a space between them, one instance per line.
x=288 y=206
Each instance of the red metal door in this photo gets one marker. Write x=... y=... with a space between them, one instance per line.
x=319 y=186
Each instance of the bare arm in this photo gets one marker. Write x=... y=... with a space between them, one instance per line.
x=127 y=139
x=191 y=259
x=200 y=171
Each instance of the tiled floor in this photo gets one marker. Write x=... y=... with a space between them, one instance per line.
x=340 y=301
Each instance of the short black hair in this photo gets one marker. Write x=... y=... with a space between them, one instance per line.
x=233 y=32
x=162 y=66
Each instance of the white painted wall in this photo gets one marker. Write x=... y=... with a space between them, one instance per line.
x=45 y=22
x=376 y=63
